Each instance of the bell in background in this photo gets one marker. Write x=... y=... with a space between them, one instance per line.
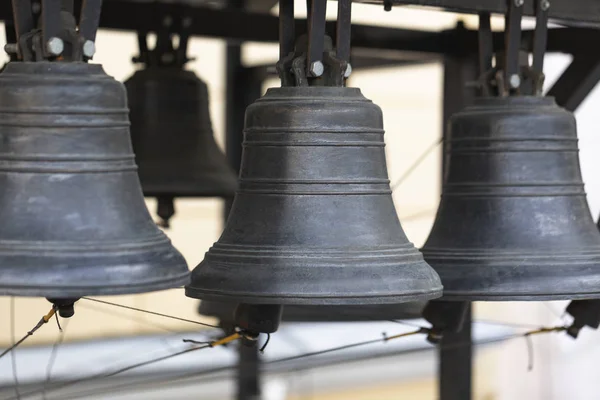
x=173 y=138
x=513 y=222
x=375 y=312
x=313 y=221
x=74 y=222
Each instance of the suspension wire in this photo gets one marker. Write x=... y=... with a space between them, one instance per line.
x=210 y=372
x=41 y=322
x=13 y=338
x=416 y=164
x=508 y=324
x=150 y=312
x=54 y=353
x=102 y=375
x=140 y=321
x=349 y=346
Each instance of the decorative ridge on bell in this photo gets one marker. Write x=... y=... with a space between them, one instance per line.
x=313 y=222
x=74 y=222
x=513 y=222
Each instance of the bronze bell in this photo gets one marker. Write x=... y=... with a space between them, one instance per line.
x=313 y=220
x=373 y=312
x=173 y=138
x=74 y=222
x=513 y=222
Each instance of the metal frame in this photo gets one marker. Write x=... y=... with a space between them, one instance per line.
x=372 y=46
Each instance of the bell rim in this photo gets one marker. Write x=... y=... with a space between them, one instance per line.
x=61 y=291
x=480 y=296
x=283 y=299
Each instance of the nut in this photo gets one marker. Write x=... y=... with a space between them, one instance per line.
x=89 y=48
x=515 y=81
x=348 y=71
x=316 y=68
x=55 y=46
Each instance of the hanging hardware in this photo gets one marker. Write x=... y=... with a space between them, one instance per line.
x=57 y=36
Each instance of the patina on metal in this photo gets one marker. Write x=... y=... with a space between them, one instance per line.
x=74 y=222
x=513 y=222
x=313 y=221
x=171 y=129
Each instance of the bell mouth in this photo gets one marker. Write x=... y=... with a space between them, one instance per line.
x=517 y=276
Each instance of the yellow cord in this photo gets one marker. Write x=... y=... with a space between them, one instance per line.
x=401 y=335
x=546 y=330
x=50 y=314
x=225 y=340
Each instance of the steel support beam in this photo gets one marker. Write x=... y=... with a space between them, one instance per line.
x=577 y=81
x=567 y=11
x=455 y=362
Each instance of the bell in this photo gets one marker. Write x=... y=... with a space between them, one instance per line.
x=313 y=220
x=173 y=139
x=74 y=222
x=373 y=312
x=513 y=222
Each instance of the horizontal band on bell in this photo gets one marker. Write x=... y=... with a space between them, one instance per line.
x=63 y=125
x=442 y=254
x=244 y=181
x=475 y=150
x=71 y=167
x=286 y=129
x=89 y=247
x=64 y=158
x=253 y=143
x=250 y=249
x=57 y=111
x=512 y=139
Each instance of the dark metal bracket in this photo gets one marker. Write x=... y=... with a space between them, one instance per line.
x=166 y=53
x=57 y=36
x=311 y=59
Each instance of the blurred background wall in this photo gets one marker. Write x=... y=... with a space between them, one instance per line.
x=411 y=98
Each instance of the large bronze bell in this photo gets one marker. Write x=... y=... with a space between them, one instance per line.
x=513 y=222
x=373 y=312
x=74 y=222
x=173 y=138
x=313 y=220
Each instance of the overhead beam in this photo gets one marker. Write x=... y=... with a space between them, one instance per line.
x=576 y=12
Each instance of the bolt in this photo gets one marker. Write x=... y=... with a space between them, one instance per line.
x=519 y=3
x=545 y=5
x=89 y=49
x=167 y=21
x=11 y=48
x=317 y=68
x=348 y=71
x=187 y=22
x=515 y=81
x=55 y=46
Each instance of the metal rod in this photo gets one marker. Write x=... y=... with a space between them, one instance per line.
x=51 y=21
x=287 y=34
x=90 y=19
x=316 y=35
x=344 y=25
x=540 y=34
x=486 y=43
x=513 y=43
x=22 y=17
x=248 y=372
